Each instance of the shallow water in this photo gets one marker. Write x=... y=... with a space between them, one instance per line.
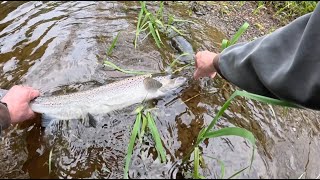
x=59 y=47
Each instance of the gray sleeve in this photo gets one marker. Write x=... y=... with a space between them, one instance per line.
x=284 y=64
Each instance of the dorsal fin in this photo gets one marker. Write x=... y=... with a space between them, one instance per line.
x=151 y=84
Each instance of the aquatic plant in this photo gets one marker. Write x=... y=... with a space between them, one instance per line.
x=207 y=132
x=145 y=117
x=113 y=44
x=155 y=23
x=115 y=67
x=226 y=43
x=286 y=11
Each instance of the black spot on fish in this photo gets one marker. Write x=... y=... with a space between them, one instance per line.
x=151 y=84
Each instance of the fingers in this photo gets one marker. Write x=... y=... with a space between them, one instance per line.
x=213 y=75
x=196 y=75
x=33 y=94
x=30 y=114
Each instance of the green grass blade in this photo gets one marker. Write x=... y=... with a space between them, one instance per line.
x=237 y=173
x=159 y=22
x=134 y=134
x=143 y=28
x=143 y=127
x=176 y=30
x=181 y=20
x=181 y=68
x=177 y=59
x=151 y=28
x=266 y=99
x=113 y=44
x=160 y=11
x=156 y=136
x=158 y=35
x=50 y=160
x=196 y=163
x=222 y=166
x=235 y=131
x=138 y=25
x=113 y=66
x=251 y=96
x=239 y=33
x=170 y=19
x=224 y=44
x=145 y=19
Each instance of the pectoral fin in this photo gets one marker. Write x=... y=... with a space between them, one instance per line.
x=92 y=120
x=151 y=84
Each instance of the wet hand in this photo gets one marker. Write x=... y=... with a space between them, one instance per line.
x=204 y=65
x=17 y=99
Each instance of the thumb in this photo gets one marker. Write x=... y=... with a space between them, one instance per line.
x=213 y=75
x=33 y=94
x=196 y=75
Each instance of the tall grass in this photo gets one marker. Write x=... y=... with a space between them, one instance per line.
x=287 y=11
x=155 y=24
x=113 y=44
x=226 y=43
x=109 y=64
x=208 y=132
x=144 y=116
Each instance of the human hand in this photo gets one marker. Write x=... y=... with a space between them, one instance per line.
x=17 y=99
x=204 y=65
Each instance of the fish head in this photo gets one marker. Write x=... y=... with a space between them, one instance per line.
x=164 y=84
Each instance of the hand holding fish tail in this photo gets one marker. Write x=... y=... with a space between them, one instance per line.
x=17 y=100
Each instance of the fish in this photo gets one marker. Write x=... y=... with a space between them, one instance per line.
x=183 y=46
x=103 y=99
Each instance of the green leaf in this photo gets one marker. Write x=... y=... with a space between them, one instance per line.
x=144 y=125
x=113 y=44
x=224 y=44
x=265 y=99
x=239 y=33
x=181 y=20
x=50 y=160
x=158 y=35
x=222 y=166
x=238 y=172
x=151 y=28
x=145 y=19
x=134 y=134
x=159 y=22
x=196 y=163
x=138 y=24
x=235 y=131
x=176 y=30
x=177 y=59
x=113 y=66
x=156 y=136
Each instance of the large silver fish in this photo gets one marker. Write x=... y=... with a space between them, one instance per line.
x=103 y=99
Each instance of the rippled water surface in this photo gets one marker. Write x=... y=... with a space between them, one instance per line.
x=59 y=48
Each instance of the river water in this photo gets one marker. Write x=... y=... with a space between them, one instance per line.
x=59 y=48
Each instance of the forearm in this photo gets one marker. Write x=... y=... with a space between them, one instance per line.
x=284 y=64
x=4 y=117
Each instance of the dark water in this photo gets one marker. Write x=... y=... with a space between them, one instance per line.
x=59 y=47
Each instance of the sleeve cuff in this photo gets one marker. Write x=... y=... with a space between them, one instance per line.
x=216 y=65
x=5 y=119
